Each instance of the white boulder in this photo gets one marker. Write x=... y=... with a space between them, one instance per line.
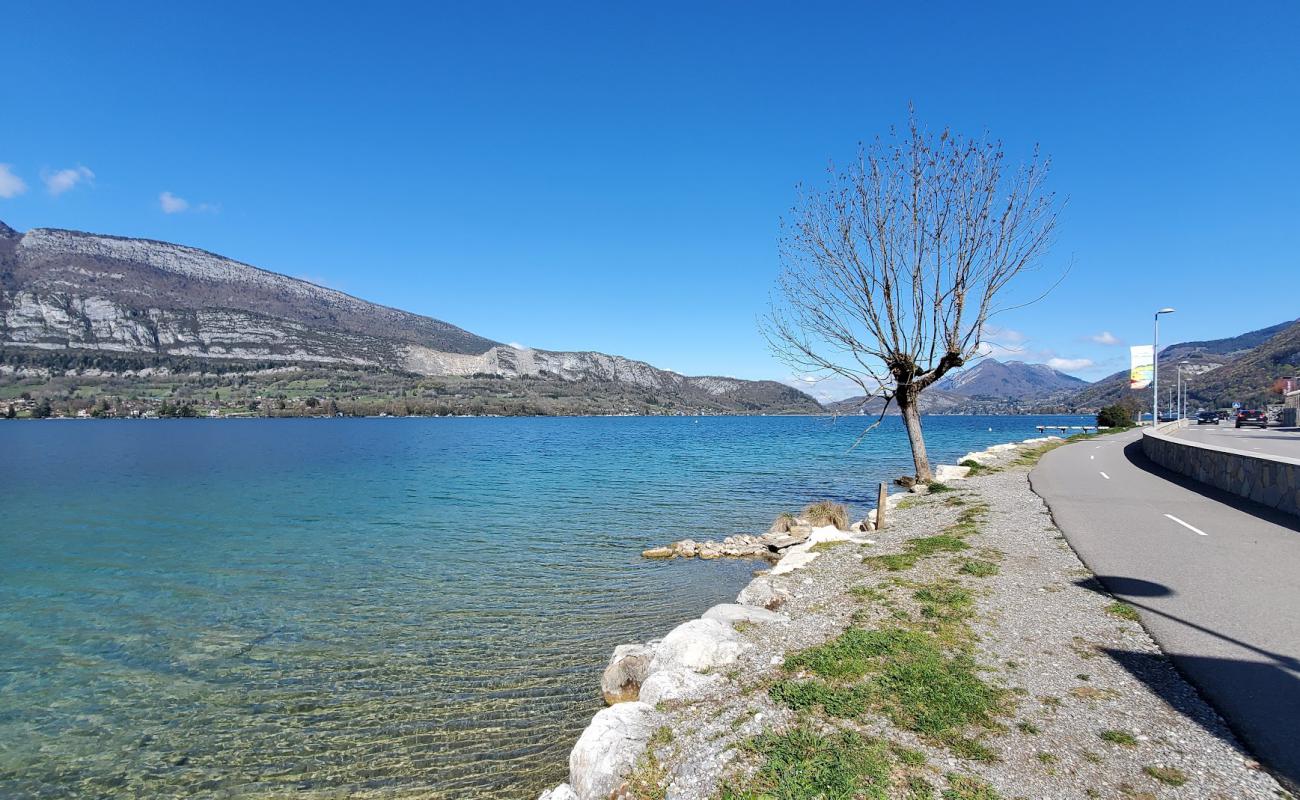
x=699 y=644
x=796 y=558
x=608 y=750
x=562 y=792
x=947 y=472
x=760 y=592
x=675 y=685
x=731 y=613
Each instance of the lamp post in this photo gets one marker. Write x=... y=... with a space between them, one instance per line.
x=1182 y=390
x=1155 y=368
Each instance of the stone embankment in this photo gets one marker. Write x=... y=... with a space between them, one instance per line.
x=1269 y=480
x=961 y=649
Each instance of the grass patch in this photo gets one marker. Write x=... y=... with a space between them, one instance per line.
x=864 y=592
x=950 y=541
x=911 y=681
x=824 y=513
x=801 y=765
x=1122 y=738
x=1123 y=611
x=938 y=487
x=1046 y=757
x=968 y=787
x=822 y=547
x=1028 y=728
x=918 y=788
x=917 y=549
x=976 y=468
x=1167 y=775
x=978 y=568
x=909 y=757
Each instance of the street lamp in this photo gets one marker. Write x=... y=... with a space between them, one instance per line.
x=1155 y=368
x=1181 y=402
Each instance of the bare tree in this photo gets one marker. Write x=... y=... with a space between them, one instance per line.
x=892 y=271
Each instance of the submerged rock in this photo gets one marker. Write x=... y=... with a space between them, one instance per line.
x=658 y=552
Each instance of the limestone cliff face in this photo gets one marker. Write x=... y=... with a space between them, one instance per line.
x=67 y=290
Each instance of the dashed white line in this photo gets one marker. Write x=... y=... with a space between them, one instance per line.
x=1192 y=528
x=1104 y=475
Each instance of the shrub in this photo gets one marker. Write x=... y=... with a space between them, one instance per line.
x=1114 y=416
x=783 y=522
x=827 y=513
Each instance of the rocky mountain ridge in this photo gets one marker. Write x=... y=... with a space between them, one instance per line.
x=66 y=290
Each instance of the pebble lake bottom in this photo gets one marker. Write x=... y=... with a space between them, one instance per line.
x=372 y=607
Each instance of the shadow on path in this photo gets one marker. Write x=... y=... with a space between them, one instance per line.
x=1133 y=452
x=1260 y=700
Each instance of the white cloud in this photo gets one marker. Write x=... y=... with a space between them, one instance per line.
x=10 y=184
x=1069 y=364
x=56 y=183
x=171 y=204
x=518 y=346
x=1106 y=337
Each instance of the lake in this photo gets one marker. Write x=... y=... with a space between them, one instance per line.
x=371 y=607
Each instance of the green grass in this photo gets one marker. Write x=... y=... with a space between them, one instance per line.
x=1167 y=775
x=801 y=764
x=968 y=787
x=976 y=468
x=917 y=549
x=1121 y=738
x=1123 y=611
x=1028 y=728
x=911 y=681
x=918 y=788
x=978 y=568
x=936 y=487
x=822 y=547
x=952 y=540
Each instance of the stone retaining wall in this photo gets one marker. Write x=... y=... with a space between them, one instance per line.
x=1271 y=480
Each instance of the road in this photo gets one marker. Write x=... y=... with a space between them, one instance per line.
x=1215 y=579
x=1274 y=441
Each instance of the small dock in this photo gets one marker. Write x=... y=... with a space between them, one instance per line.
x=1065 y=429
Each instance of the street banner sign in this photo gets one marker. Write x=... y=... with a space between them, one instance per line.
x=1141 y=356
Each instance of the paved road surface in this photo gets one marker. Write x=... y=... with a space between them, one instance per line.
x=1216 y=580
x=1274 y=441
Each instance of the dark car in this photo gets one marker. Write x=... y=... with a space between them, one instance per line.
x=1207 y=418
x=1252 y=416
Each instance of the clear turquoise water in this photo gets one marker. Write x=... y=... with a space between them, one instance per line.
x=402 y=607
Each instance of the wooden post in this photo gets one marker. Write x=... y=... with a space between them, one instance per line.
x=881 y=501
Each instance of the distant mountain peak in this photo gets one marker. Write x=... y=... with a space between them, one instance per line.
x=7 y=232
x=1009 y=380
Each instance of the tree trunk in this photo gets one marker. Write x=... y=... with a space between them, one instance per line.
x=912 y=421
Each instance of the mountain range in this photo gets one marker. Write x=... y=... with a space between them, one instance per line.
x=88 y=315
x=153 y=305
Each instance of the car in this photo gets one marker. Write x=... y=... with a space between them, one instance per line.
x=1251 y=416
x=1207 y=418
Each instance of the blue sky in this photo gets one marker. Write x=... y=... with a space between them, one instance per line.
x=611 y=176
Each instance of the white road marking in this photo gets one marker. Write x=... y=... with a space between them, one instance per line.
x=1104 y=475
x=1192 y=528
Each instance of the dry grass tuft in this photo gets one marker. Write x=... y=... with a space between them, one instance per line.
x=827 y=513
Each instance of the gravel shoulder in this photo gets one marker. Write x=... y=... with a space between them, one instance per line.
x=963 y=652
